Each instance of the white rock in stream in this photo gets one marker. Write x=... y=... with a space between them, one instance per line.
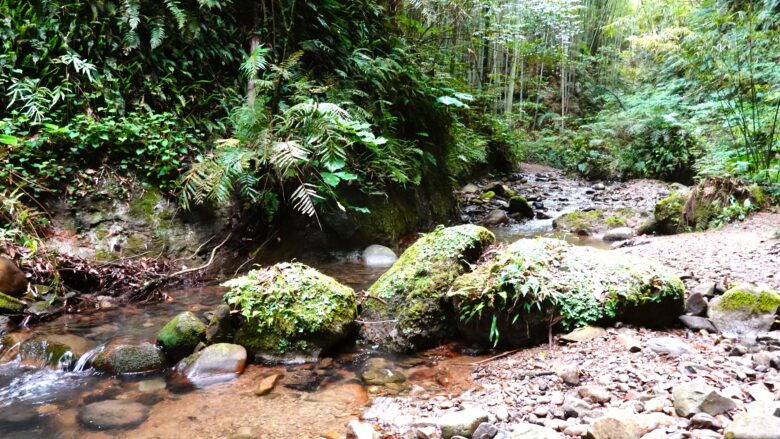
x=379 y=256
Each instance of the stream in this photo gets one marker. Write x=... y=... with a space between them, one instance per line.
x=44 y=402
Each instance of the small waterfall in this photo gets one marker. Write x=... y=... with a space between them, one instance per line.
x=85 y=361
x=10 y=352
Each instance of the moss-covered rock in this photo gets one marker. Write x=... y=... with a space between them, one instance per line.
x=180 y=335
x=292 y=312
x=10 y=305
x=669 y=213
x=122 y=358
x=709 y=204
x=745 y=310
x=520 y=205
x=40 y=351
x=220 y=328
x=406 y=309
x=514 y=297
x=589 y=222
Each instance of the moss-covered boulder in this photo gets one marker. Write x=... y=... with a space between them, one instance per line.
x=594 y=221
x=520 y=205
x=711 y=203
x=10 y=305
x=406 y=308
x=513 y=298
x=179 y=336
x=669 y=213
x=745 y=310
x=292 y=312
x=122 y=358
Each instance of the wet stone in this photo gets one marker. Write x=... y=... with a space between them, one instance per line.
x=306 y=380
x=112 y=414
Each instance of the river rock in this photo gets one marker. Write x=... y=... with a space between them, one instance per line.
x=267 y=384
x=589 y=286
x=361 y=430
x=575 y=407
x=12 y=280
x=496 y=217
x=697 y=323
x=706 y=289
x=595 y=393
x=584 y=333
x=127 y=358
x=10 y=304
x=470 y=188
x=303 y=379
x=407 y=309
x=379 y=256
x=220 y=328
x=531 y=431
x=461 y=423
x=45 y=351
x=292 y=312
x=112 y=414
x=615 y=425
x=671 y=346
x=618 y=234
x=696 y=304
x=379 y=376
x=215 y=363
x=703 y=420
x=745 y=310
x=697 y=397
x=520 y=206
x=180 y=335
x=485 y=430
x=630 y=343
x=751 y=425
x=569 y=373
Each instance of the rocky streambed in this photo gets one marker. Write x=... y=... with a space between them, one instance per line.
x=369 y=353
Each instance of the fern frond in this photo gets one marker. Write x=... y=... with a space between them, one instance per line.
x=304 y=198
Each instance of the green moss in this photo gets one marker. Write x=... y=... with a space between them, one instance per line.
x=669 y=213
x=10 y=304
x=291 y=308
x=412 y=291
x=580 y=221
x=751 y=299
x=615 y=221
x=179 y=336
x=582 y=285
x=489 y=195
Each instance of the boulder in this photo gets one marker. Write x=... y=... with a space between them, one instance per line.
x=531 y=431
x=696 y=304
x=379 y=256
x=669 y=211
x=594 y=221
x=485 y=430
x=10 y=305
x=759 y=421
x=407 y=307
x=122 y=358
x=216 y=363
x=12 y=280
x=532 y=280
x=698 y=323
x=618 y=234
x=180 y=335
x=745 y=310
x=520 y=205
x=697 y=397
x=381 y=373
x=496 y=217
x=292 y=312
x=470 y=188
x=595 y=393
x=112 y=414
x=220 y=328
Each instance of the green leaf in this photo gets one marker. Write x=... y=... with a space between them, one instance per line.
x=330 y=179
x=8 y=139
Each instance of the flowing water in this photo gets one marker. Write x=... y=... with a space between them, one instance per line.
x=43 y=402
